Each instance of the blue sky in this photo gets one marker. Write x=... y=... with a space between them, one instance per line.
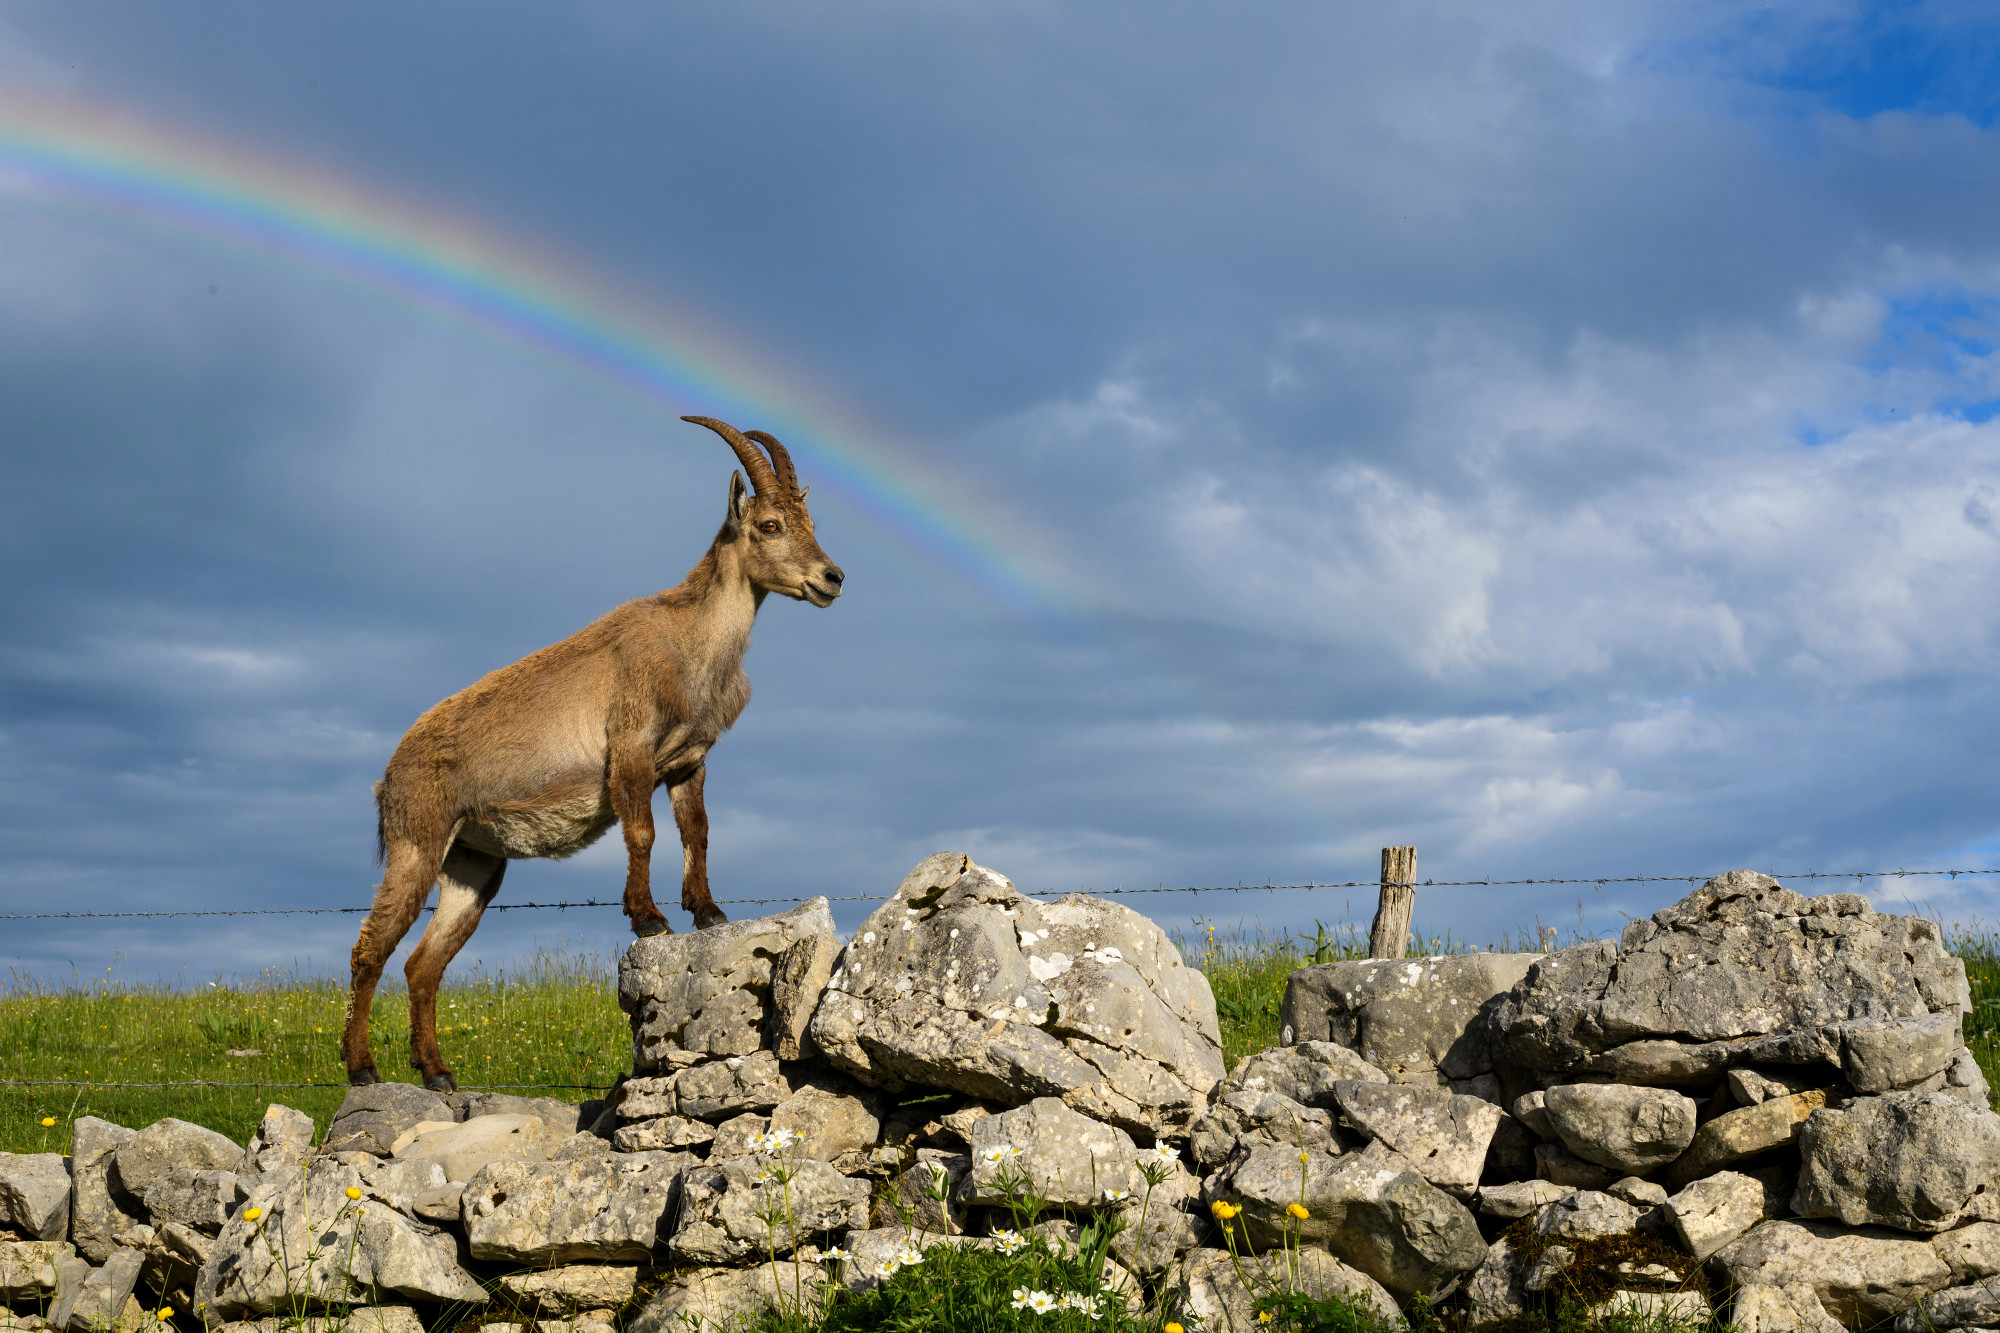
x=1557 y=436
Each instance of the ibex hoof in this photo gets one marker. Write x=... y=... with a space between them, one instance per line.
x=714 y=918
x=443 y=1082
x=363 y=1076
x=651 y=925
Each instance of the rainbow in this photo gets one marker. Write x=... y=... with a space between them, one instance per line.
x=110 y=162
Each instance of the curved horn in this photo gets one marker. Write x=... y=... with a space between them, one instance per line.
x=788 y=476
x=762 y=479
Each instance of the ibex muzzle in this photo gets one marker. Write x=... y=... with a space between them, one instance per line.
x=542 y=757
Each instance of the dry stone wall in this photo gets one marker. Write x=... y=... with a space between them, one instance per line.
x=1767 y=1095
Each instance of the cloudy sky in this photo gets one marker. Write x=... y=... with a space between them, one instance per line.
x=1559 y=436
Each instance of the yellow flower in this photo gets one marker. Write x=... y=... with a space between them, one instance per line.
x=1298 y=1210
x=1305 y=1157
x=354 y=1193
x=1223 y=1211
x=166 y=1312
x=1263 y=1316
x=48 y=1122
x=1171 y=1327
x=252 y=1214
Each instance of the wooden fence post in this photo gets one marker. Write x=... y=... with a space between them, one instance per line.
x=1389 y=937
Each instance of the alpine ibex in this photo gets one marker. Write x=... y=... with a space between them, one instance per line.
x=541 y=757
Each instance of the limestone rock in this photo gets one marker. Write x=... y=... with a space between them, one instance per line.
x=1789 y=1309
x=727 y=1087
x=1419 y=1020
x=1740 y=957
x=831 y=1115
x=1862 y=1277
x=167 y=1145
x=1879 y=1056
x=1443 y=1134
x=1631 y=1130
x=728 y=1298
x=1532 y=1110
x=876 y=1254
x=34 y=1194
x=1748 y=1086
x=28 y=1267
x=357 y=1319
x=1654 y=1309
x=1218 y=1297
x=1548 y=1268
x=1066 y=1158
x=704 y=992
x=721 y=1209
x=396 y=1184
x=1305 y=1072
x=1395 y=1226
x=797 y=981
x=930 y=1190
x=573 y=1288
x=961 y=982
x=663 y=1132
x=443 y=1205
x=361 y=1247
x=1903 y=1159
x=282 y=1141
x=1735 y=1136
x=599 y=1210
x=1248 y=1117
x=1971 y=1252
x=461 y=1149
x=199 y=1199
x=1586 y=1215
x=1495 y=1294
x=1518 y=1200
x=1557 y=1164
x=1710 y=1213
x=101 y=1213
x=100 y=1301
x=1639 y=1193
x=733 y=1137
x=558 y=1116
x=1974 y=1306
x=373 y=1116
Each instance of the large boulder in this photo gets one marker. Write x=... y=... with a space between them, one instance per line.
x=1053 y=1152
x=706 y=993
x=1420 y=1020
x=1306 y=1072
x=959 y=981
x=1443 y=1134
x=34 y=1194
x=168 y=1145
x=461 y=1149
x=587 y=1209
x=745 y=1208
x=373 y=1116
x=1861 y=1277
x=310 y=1235
x=1242 y=1119
x=1393 y=1225
x=1741 y=960
x=1906 y=1160
x=1631 y=1130
x=102 y=1214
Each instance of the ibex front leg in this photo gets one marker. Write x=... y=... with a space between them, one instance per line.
x=632 y=780
x=691 y=817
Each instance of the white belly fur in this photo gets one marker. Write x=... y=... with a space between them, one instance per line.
x=553 y=831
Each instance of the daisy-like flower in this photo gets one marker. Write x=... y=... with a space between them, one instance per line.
x=1020 y=1298
x=1008 y=1242
x=888 y=1267
x=1076 y=1300
x=1041 y=1302
x=1116 y=1196
x=1298 y=1210
x=762 y=1142
x=836 y=1255
x=909 y=1256
x=1165 y=1152
x=782 y=1139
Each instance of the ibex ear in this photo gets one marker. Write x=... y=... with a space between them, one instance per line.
x=739 y=499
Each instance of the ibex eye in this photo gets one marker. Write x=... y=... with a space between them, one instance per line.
x=769 y=525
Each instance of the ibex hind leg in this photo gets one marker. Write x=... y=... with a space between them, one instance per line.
x=466 y=883
x=406 y=882
x=691 y=818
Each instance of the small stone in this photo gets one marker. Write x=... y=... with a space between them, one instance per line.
x=1975 y=1306
x=1654 y=1309
x=1789 y=1309
x=1880 y=1056
x=34 y=1194
x=935 y=1173
x=732 y=1137
x=797 y=981
x=1632 y=1130
x=28 y=1267
x=723 y=1088
x=1751 y=1086
x=443 y=1205
x=1736 y=1136
x=1552 y=1263
x=1710 y=1213
x=662 y=1133
x=1494 y=1294
x=282 y=1142
x=1586 y=1215
x=1555 y=1163
x=961 y=1121
x=1519 y=1200
x=575 y=1287
x=374 y=1115
x=1971 y=1252
x=1444 y=1135
x=1639 y=1193
x=831 y=1115
x=1531 y=1109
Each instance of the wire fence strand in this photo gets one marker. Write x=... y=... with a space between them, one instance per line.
x=1597 y=880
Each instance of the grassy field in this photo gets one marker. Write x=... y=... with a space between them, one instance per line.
x=553 y=1022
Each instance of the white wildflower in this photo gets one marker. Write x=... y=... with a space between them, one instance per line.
x=836 y=1255
x=1166 y=1152
x=888 y=1267
x=1008 y=1242
x=1117 y=1196
x=909 y=1256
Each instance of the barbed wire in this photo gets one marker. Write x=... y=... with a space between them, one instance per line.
x=1598 y=880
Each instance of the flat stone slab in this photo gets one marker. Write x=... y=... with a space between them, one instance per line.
x=599 y=1209
x=1419 y=1020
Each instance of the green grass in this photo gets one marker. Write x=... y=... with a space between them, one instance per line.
x=554 y=1020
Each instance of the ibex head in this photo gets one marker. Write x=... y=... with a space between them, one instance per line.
x=780 y=552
